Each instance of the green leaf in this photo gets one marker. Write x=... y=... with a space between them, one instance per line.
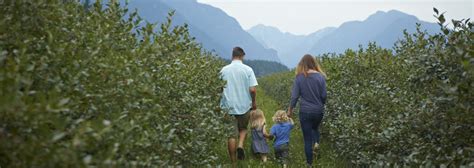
x=441 y=19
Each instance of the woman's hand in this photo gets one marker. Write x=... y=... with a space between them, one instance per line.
x=289 y=112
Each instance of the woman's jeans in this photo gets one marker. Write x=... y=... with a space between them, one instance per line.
x=310 y=125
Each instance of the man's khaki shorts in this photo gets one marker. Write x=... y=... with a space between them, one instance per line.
x=235 y=123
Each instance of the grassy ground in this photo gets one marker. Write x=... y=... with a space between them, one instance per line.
x=297 y=158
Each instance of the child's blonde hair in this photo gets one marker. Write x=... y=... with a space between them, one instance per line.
x=257 y=118
x=280 y=117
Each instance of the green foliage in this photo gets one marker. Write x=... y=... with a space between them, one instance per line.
x=278 y=86
x=413 y=106
x=89 y=88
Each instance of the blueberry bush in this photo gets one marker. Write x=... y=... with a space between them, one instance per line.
x=407 y=106
x=98 y=86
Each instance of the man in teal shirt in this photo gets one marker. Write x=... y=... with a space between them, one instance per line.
x=239 y=98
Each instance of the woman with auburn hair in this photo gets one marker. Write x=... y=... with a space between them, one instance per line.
x=310 y=86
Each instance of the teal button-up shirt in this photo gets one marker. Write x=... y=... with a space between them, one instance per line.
x=236 y=96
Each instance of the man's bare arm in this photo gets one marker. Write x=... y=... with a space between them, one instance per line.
x=253 y=94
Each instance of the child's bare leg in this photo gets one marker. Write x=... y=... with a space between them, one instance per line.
x=264 y=157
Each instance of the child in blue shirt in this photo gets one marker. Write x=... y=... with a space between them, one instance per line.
x=281 y=132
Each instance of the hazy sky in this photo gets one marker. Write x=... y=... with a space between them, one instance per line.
x=307 y=16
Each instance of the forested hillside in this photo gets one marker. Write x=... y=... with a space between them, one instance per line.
x=262 y=68
x=407 y=107
x=212 y=27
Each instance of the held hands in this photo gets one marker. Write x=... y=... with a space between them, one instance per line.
x=265 y=133
x=268 y=136
x=289 y=113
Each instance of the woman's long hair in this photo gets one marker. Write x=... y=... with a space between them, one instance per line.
x=309 y=62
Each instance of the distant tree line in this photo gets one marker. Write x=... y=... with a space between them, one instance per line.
x=263 y=68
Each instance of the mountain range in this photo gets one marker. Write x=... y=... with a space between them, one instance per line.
x=384 y=28
x=211 y=26
x=289 y=46
x=219 y=32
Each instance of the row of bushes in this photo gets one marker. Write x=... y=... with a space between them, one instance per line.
x=412 y=105
x=86 y=87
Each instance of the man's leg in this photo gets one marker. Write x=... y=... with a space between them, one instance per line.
x=232 y=128
x=242 y=124
x=240 y=148
x=231 y=148
x=242 y=136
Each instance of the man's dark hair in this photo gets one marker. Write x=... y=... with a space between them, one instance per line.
x=237 y=52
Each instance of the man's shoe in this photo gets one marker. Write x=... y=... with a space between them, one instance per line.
x=240 y=154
